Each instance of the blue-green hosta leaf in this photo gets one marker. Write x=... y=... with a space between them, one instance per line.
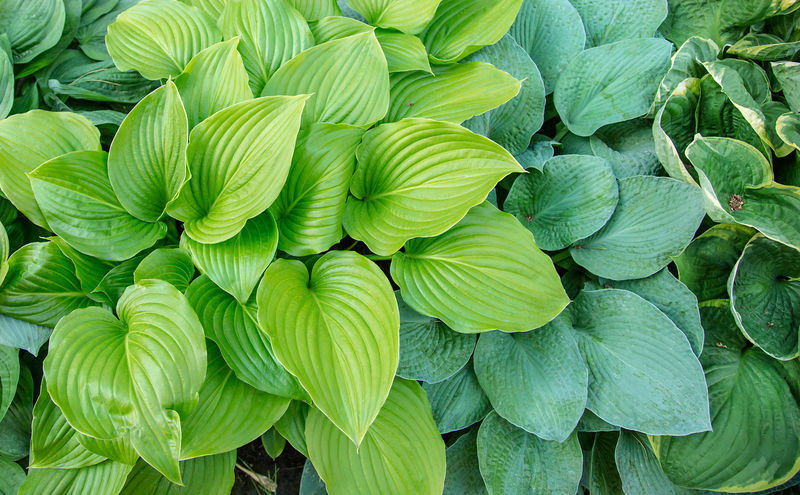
x=336 y=330
x=11 y=477
x=404 y=52
x=639 y=470
x=209 y=475
x=463 y=473
x=310 y=206
x=245 y=347
x=408 y=16
x=418 y=178
x=238 y=159
x=764 y=47
x=6 y=79
x=214 y=79
x=686 y=63
x=462 y=27
x=514 y=461
x=271 y=32
x=601 y=475
x=41 y=286
x=655 y=220
x=316 y=9
x=611 y=83
x=788 y=75
x=229 y=414
x=572 y=198
x=674 y=127
x=9 y=376
x=552 y=33
x=32 y=26
x=310 y=482
x=772 y=209
x=147 y=159
x=536 y=380
x=490 y=249
x=429 y=351
x=292 y=425
x=452 y=93
x=401 y=453
x=754 y=416
x=157 y=353
x=77 y=199
x=236 y=265
x=607 y=21
x=30 y=139
x=628 y=147
x=22 y=335
x=643 y=374
x=104 y=478
x=591 y=423
x=158 y=38
x=458 y=401
x=319 y=71
x=764 y=289
x=171 y=265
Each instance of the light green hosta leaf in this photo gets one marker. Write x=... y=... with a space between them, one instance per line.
x=245 y=347
x=788 y=75
x=592 y=91
x=214 y=79
x=105 y=478
x=788 y=127
x=601 y=473
x=655 y=220
x=404 y=52
x=458 y=401
x=147 y=159
x=41 y=285
x=292 y=425
x=32 y=26
x=118 y=449
x=310 y=206
x=22 y=335
x=408 y=16
x=772 y=209
x=643 y=374
x=572 y=198
x=754 y=413
x=229 y=414
x=30 y=139
x=212 y=8
x=236 y=265
x=552 y=33
x=79 y=204
x=429 y=351
x=536 y=380
x=764 y=288
x=514 y=461
x=316 y=9
x=764 y=47
x=401 y=453
x=9 y=375
x=116 y=281
x=686 y=63
x=463 y=473
x=4 y=252
x=491 y=249
x=639 y=470
x=6 y=79
x=453 y=93
x=271 y=31
x=156 y=354
x=273 y=443
x=171 y=265
x=319 y=71
x=239 y=159
x=209 y=475
x=11 y=477
x=608 y=21
x=674 y=127
x=336 y=330
x=461 y=27
x=166 y=34
x=337 y=27
x=403 y=189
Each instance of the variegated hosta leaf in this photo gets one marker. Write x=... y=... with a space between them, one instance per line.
x=150 y=372
x=209 y=475
x=271 y=32
x=310 y=206
x=788 y=127
x=147 y=159
x=238 y=159
x=607 y=21
x=401 y=453
x=236 y=265
x=171 y=265
x=686 y=63
x=30 y=139
x=408 y=16
x=788 y=75
x=336 y=330
x=158 y=38
x=32 y=26
x=490 y=249
x=77 y=199
x=418 y=178
x=107 y=477
x=320 y=70
x=674 y=127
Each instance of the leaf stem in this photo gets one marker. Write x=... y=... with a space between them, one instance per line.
x=261 y=479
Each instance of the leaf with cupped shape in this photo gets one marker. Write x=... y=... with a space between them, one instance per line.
x=317 y=71
x=593 y=91
x=458 y=401
x=674 y=126
x=461 y=27
x=788 y=127
x=655 y=219
x=686 y=63
x=166 y=34
x=764 y=47
x=310 y=206
x=27 y=140
x=236 y=265
x=336 y=330
x=608 y=21
x=415 y=178
x=408 y=16
x=401 y=453
x=439 y=276
x=104 y=478
x=214 y=79
x=32 y=26
x=788 y=75
x=772 y=209
x=316 y=9
x=75 y=194
x=157 y=351
x=147 y=159
x=171 y=265
x=209 y=475
x=238 y=159
x=23 y=335
x=9 y=376
x=271 y=31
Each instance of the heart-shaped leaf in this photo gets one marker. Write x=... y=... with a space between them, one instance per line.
x=607 y=21
x=170 y=265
